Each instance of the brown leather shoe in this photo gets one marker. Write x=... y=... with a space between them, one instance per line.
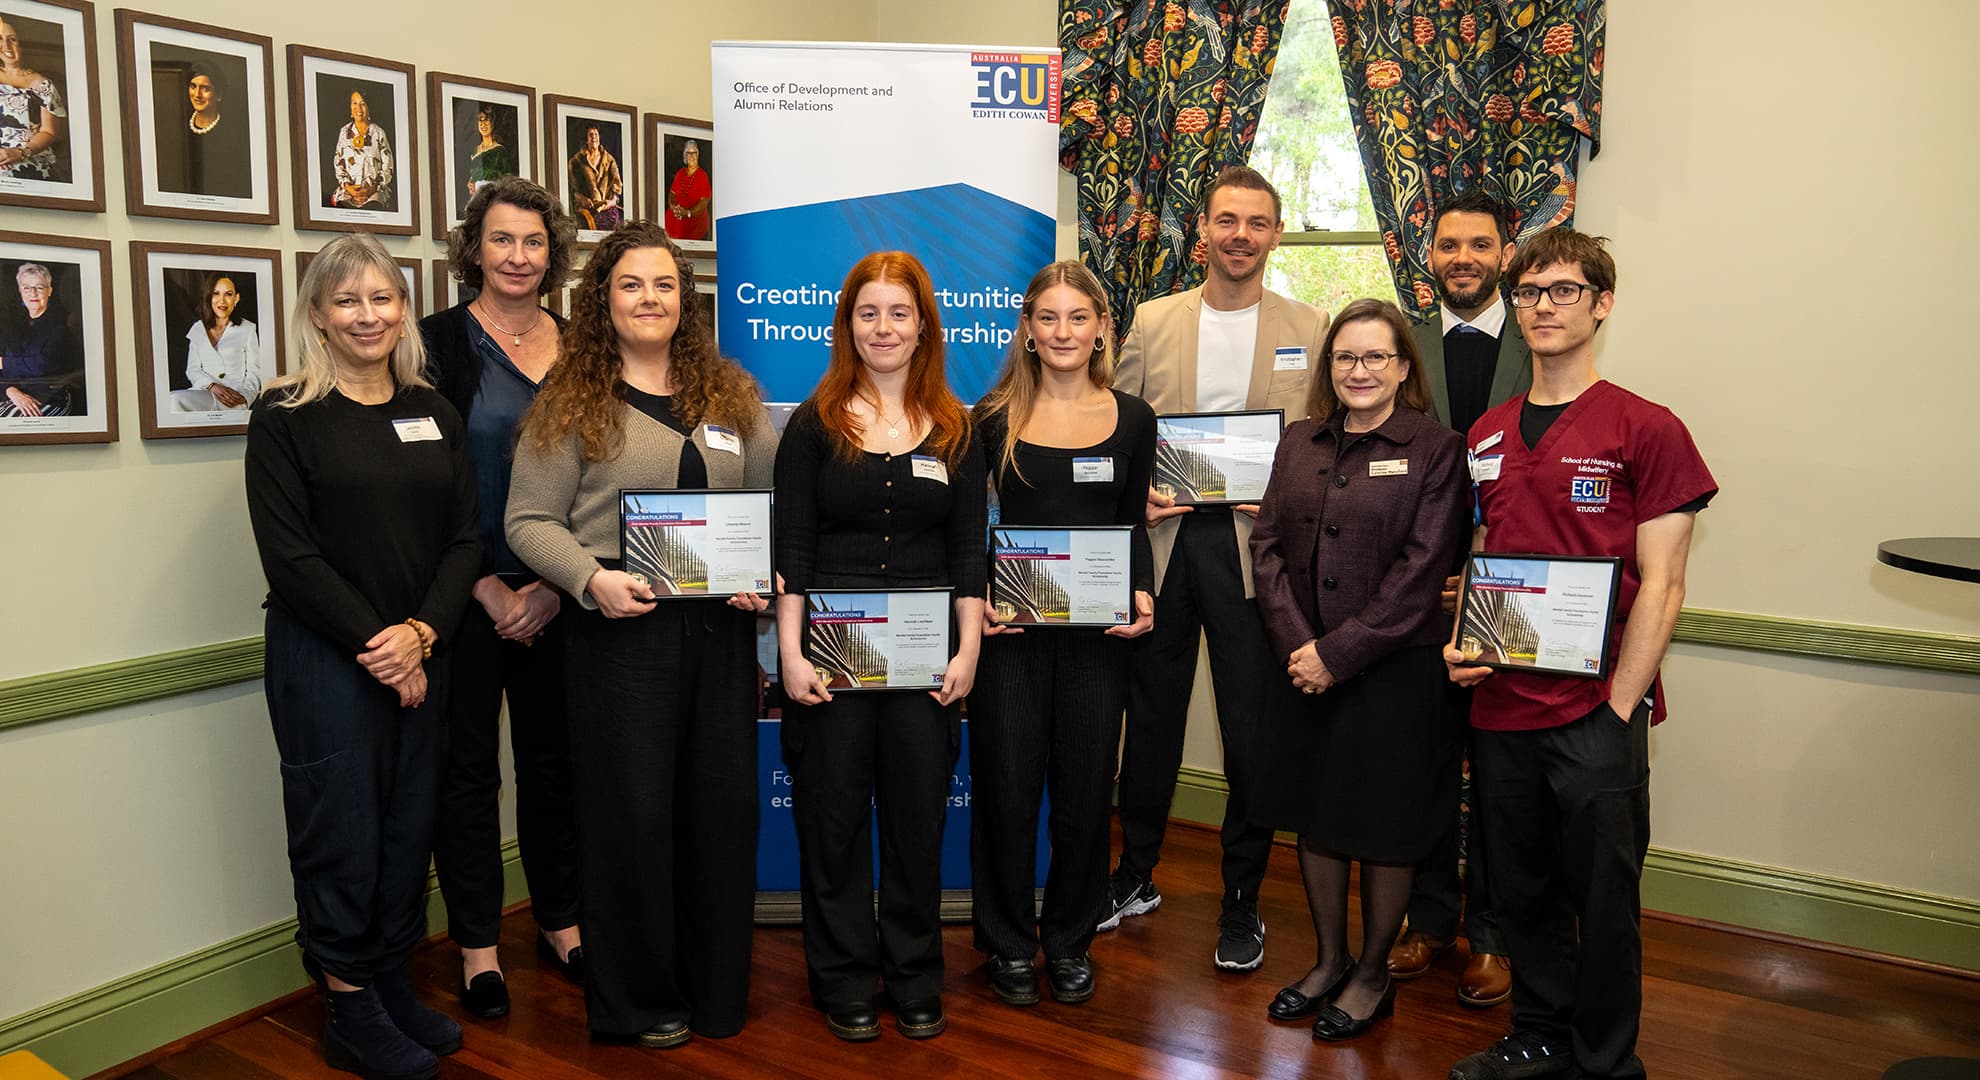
x=1414 y=954
x=1487 y=980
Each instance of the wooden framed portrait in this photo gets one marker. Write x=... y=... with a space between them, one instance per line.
x=680 y=188
x=211 y=320
x=51 y=135
x=710 y=292
x=410 y=269
x=356 y=120
x=57 y=379
x=589 y=151
x=448 y=290
x=481 y=132
x=199 y=119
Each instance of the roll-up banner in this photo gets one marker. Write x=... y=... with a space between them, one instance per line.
x=832 y=151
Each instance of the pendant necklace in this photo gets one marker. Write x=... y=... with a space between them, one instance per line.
x=515 y=336
x=894 y=426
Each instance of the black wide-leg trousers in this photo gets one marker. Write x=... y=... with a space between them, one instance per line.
x=1437 y=898
x=360 y=777
x=467 y=842
x=663 y=760
x=1045 y=717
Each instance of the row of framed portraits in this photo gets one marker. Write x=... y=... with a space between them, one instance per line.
x=212 y=330
x=198 y=108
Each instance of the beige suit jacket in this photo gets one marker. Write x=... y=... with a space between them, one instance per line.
x=1158 y=365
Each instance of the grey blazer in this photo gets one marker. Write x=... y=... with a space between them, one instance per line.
x=1512 y=377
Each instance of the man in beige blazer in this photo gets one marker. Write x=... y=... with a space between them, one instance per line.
x=1226 y=346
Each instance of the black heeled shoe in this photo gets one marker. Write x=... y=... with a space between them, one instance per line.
x=1290 y=1004
x=1335 y=1025
x=486 y=995
x=570 y=965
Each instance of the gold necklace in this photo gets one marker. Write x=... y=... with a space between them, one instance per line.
x=515 y=336
x=894 y=425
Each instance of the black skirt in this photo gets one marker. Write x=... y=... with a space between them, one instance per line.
x=1354 y=770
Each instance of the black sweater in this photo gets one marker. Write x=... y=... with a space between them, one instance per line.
x=359 y=529
x=870 y=522
x=1043 y=491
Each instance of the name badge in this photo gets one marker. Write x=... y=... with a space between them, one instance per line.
x=1289 y=358
x=721 y=438
x=422 y=429
x=1093 y=470
x=1486 y=468
x=1489 y=442
x=1398 y=467
x=928 y=468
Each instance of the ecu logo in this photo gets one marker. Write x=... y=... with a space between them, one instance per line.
x=1589 y=489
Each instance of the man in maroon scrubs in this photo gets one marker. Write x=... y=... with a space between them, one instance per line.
x=1578 y=466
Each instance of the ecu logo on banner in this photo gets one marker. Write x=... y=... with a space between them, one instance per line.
x=1589 y=489
x=1015 y=85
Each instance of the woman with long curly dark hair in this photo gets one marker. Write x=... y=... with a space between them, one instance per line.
x=661 y=696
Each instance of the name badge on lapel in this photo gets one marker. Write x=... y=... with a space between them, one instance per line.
x=421 y=429
x=1289 y=358
x=928 y=468
x=1398 y=467
x=721 y=438
x=1486 y=468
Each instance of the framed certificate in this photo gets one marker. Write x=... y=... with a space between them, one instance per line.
x=896 y=639
x=1208 y=459
x=697 y=543
x=1541 y=614
x=1072 y=576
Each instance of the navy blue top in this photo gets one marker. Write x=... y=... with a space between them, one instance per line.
x=40 y=354
x=504 y=395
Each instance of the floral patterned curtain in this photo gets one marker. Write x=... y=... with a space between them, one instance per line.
x=1158 y=98
x=1451 y=94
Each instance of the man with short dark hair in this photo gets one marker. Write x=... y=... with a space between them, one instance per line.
x=1227 y=346
x=1577 y=466
x=1474 y=358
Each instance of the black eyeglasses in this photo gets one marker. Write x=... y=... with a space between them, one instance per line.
x=1373 y=361
x=1562 y=293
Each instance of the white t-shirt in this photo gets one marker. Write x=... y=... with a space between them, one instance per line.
x=1225 y=341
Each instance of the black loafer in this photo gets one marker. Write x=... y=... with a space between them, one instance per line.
x=486 y=995
x=1015 y=982
x=1290 y=1004
x=921 y=1019
x=666 y=1035
x=1072 y=979
x=1335 y=1025
x=570 y=966
x=855 y=1021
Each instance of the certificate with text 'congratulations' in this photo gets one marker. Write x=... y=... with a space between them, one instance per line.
x=1210 y=458
x=697 y=543
x=1540 y=614
x=1073 y=576
x=895 y=639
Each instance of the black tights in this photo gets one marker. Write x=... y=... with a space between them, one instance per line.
x=1384 y=900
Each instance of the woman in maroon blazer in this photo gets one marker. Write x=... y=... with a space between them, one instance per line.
x=1365 y=515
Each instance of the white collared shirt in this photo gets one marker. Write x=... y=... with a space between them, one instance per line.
x=1492 y=320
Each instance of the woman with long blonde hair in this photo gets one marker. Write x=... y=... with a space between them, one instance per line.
x=363 y=506
x=1065 y=450
x=879 y=486
x=661 y=695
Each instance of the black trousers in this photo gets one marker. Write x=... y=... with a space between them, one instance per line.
x=467 y=843
x=1437 y=896
x=663 y=759
x=889 y=752
x=1203 y=590
x=1567 y=814
x=1045 y=717
x=359 y=785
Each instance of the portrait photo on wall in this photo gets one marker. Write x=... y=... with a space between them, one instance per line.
x=199 y=130
x=481 y=132
x=705 y=285
x=589 y=162
x=211 y=320
x=355 y=118
x=55 y=375
x=51 y=143
x=449 y=290
x=679 y=179
x=409 y=269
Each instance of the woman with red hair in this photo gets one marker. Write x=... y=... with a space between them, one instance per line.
x=880 y=485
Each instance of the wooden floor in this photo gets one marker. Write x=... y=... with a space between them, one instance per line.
x=1717 y=1004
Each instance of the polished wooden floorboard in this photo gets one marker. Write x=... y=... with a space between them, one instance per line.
x=1717 y=1004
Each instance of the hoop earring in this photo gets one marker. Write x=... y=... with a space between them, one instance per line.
x=1030 y=346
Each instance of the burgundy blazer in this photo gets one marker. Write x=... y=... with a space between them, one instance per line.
x=1351 y=550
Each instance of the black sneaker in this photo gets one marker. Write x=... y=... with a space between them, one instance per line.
x=1240 y=934
x=1518 y=1056
x=1128 y=896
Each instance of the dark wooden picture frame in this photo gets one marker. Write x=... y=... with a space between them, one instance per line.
x=153 y=302
x=450 y=187
x=665 y=135
x=202 y=182
x=412 y=269
x=559 y=114
x=91 y=317
x=76 y=157
x=312 y=114
x=446 y=291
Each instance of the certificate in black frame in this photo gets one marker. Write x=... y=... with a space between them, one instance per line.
x=669 y=564
x=1031 y=578
x=1193 y=475
x=1515 y=613
x=850 y=657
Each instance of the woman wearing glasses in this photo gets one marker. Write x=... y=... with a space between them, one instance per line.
x=1364 y=517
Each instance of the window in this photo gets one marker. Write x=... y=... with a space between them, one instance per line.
x=1332 y=251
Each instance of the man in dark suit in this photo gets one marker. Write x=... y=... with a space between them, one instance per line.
x=1475 y=358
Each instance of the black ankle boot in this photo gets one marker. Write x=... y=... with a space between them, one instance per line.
x=359 y=1037
x=422 y=1025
